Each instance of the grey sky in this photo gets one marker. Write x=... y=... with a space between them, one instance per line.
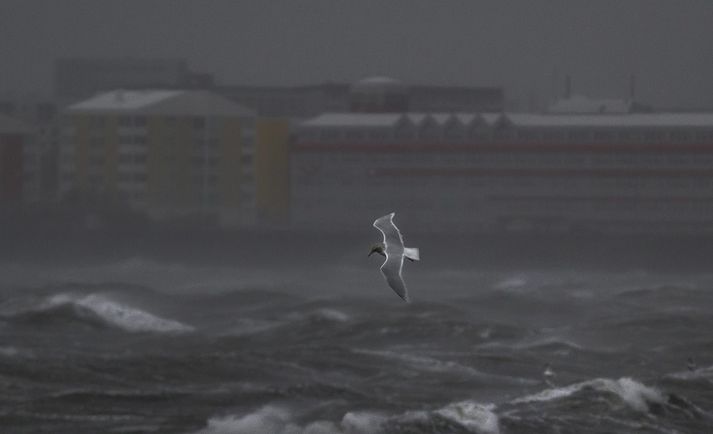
x=667 y=43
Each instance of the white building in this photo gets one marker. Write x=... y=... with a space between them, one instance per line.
x=486 y=172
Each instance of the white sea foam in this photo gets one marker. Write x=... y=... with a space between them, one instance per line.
x=332 y=315
x=636 y=395
x=9 y=352
x=278 y=420
x=429 y=364
x=324 y=314
x=424 y=363
x=473 y=416
x=117 y=314
x=512 y=283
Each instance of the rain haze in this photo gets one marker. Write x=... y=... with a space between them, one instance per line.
x=356 y=217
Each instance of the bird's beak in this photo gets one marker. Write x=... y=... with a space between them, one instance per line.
x=370 y=253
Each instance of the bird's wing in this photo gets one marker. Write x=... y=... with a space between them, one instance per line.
x=391 y=269
x=394 y=251
x=393 y=241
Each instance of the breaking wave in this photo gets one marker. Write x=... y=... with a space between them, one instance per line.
x=97 y=309
x=466 y=416
x=636 y=395
x=278 y=420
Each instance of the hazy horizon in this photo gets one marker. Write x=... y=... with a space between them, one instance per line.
x=526 y=47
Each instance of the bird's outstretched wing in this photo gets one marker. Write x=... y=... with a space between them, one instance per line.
x=394 y=251
x=393 y=241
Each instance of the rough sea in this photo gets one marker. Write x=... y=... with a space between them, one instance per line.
x=139 y=345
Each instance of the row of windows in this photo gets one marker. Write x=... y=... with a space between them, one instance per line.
x=521 y=135
x=199 y=160
x=127 y=177
x=138 y=139
x=197 y=122
x=132 y=121
x=132 y=158
x=348 y=161
x=210 y=180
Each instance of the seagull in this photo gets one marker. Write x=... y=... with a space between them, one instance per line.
x=691 y=364
x=394 y=251
x=549 y=375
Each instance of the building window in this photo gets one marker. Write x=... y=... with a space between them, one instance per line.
x=679 y=136
x=125 y=121
x=96 y=122
x=603 y=135
x=355 y=135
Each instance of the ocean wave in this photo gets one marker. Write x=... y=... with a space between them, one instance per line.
x=704 y=373
x=552 y=343
x=475 y=417
x=447 y=367
x=321 y=315
x=9 y=352
x=424 y=363
x=512 y=284
x=279 y=420
x=96 y=308
x=459 y=417
x=634 y=394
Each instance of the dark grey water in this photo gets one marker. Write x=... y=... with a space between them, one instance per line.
x=138 y=346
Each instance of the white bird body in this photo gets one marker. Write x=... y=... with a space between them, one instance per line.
x=395 y=252
x=549 y=375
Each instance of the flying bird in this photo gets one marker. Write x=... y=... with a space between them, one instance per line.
x=549 y=375
x=392 y=248
x=691 y=364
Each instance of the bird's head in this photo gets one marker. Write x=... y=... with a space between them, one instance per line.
x=377 y=248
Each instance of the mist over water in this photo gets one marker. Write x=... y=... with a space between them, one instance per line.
x=156 y=344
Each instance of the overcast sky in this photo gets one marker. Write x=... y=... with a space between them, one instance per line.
x=521 y=44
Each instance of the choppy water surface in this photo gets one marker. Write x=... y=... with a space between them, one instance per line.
x=175 y=349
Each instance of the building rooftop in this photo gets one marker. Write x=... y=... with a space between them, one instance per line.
x=168 y=102
x=524 y=120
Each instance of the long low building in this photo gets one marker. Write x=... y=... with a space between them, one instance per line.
x=627 y=172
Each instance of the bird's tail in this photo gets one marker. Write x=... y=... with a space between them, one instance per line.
x=412 y=253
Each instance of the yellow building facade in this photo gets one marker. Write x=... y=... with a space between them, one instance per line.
x=169 y=154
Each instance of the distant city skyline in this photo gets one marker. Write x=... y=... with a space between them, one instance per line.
x=527 y=47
